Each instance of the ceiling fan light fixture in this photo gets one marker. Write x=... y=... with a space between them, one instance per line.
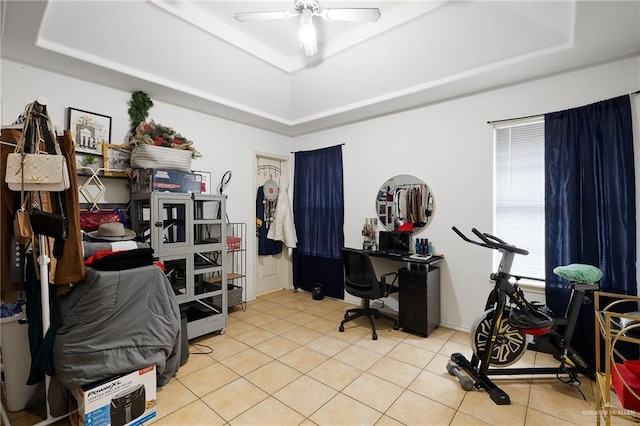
x=307 y=33
x=307 y=9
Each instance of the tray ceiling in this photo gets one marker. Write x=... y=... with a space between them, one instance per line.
x=195 y=54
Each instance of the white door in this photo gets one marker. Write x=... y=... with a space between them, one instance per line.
x=272 y=271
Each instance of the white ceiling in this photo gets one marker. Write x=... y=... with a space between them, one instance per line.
x=194 y=54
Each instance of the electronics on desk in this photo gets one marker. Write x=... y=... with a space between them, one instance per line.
x=394 y=243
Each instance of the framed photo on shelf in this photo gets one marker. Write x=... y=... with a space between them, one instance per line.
x=117 y=159
x=206 y=181
x=89 y=130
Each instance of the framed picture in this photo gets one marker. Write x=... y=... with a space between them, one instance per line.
x=206 y=181
x=89 y=130
x=117 y=159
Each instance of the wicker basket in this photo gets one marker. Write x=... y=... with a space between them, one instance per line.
x=234 y=296
x=146 y=156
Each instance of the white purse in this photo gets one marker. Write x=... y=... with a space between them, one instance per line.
x=37 y=170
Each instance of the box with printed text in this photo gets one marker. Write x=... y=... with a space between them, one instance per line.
x=128 y=399
x=159 y=180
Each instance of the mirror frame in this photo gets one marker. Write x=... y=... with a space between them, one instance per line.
x=387 y=204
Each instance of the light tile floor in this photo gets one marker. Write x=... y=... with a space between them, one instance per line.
x=282 y=361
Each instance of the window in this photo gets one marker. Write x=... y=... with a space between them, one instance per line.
x=519 y=193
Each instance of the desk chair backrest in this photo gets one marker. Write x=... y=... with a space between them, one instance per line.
x=360 y=277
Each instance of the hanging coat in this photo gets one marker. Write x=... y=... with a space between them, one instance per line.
x=283 y=227
x=265 y=245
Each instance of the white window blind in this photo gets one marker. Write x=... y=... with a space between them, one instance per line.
x=519 y=193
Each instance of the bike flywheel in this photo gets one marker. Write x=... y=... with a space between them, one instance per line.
x=510 y=344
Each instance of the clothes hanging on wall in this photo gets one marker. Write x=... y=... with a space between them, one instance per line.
x=411 y=200
x=265 y=211
x=283 y=227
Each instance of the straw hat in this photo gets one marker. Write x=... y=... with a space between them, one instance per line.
x=112 y=231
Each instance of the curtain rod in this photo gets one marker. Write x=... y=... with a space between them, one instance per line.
x=536 y=115
x=513 y=119
x=340 y=144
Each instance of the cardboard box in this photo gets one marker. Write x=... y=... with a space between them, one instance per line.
x=128 y=399
x=160 y=180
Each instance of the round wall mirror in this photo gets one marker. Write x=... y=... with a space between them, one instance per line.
x=405 y=203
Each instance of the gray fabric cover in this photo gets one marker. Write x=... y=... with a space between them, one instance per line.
x=115 y=322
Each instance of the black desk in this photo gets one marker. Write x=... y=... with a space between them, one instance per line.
x=418 y=293
x=407 y=258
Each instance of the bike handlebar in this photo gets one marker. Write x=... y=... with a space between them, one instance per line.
x=490 y=241
x=493 y=237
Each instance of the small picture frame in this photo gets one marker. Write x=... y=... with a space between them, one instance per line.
x=117 y=160
x=89 y=130
x=206 y=181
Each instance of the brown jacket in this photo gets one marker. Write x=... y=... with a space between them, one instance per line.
x=69 y=268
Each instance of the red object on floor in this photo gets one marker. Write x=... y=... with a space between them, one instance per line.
x=627 y=399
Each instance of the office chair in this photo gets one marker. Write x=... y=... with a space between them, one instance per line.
x=361 y=281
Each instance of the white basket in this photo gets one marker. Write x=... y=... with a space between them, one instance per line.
x=16 y=362
x=146 y=156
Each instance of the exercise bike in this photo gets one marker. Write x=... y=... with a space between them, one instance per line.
x=510 y=325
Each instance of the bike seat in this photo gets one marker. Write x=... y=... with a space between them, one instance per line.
x=578 y=272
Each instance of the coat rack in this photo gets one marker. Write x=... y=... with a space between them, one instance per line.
x=269 y=170
x=43 y=261
x=271 y=187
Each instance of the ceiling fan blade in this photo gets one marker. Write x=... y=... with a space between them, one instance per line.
x=263 y=16
x=354 y=15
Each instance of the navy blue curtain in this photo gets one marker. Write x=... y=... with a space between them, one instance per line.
x=318 y=210
x=590 y=203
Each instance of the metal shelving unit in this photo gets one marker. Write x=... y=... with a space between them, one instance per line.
x=237 y=264
x=188 y=233
x=613 y=327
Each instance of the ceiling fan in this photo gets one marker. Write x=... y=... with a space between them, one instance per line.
x=307 y=9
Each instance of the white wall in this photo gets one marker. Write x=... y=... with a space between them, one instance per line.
x=225 y=145
x=450 y=147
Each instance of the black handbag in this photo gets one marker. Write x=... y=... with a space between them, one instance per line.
x=50 y=224
x=54 y=225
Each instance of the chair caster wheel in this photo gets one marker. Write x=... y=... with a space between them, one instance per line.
x=341 y=329
x=374 y=336
x=396 y=327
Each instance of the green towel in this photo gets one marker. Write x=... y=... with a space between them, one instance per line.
x=577 y=272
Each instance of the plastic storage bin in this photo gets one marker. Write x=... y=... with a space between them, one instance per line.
x=16 y=361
